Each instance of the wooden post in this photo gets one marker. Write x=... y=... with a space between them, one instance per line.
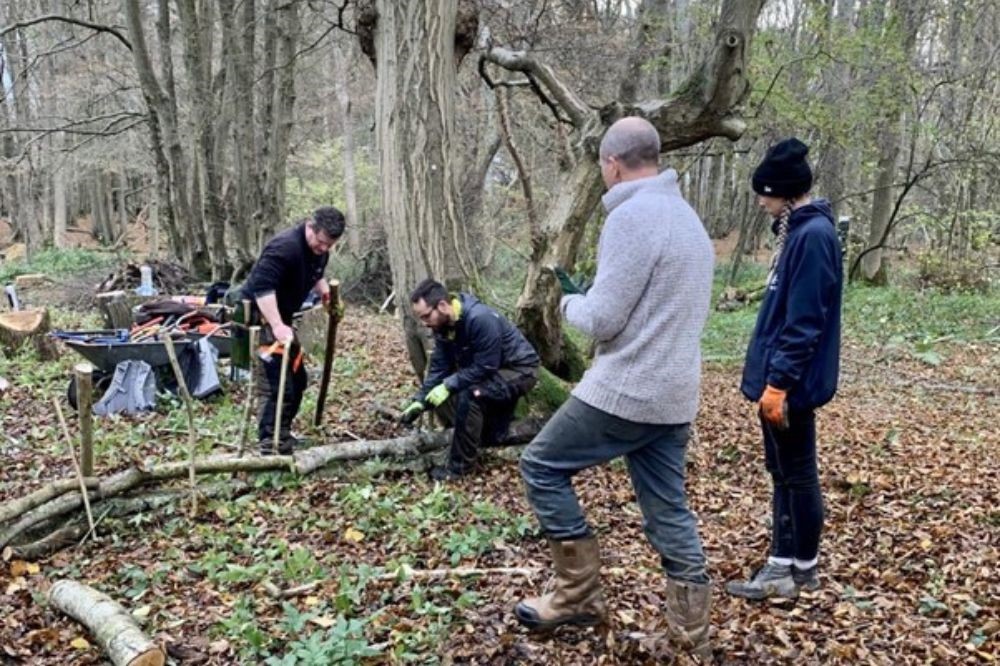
x=85 y=409
x=154 y=230
x=286 y=352
x=251 y=392
x=182 y=389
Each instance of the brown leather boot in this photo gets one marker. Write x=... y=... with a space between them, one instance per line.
x=577 y=597
x=689 y=607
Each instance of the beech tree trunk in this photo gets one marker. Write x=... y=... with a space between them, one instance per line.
x=416 y=68
x=343 y=94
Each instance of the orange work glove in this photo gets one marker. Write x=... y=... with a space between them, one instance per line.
x=774 y=407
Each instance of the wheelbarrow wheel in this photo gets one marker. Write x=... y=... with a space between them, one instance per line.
x=100 y=381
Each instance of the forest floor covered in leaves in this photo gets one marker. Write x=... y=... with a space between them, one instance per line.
x=910 y=564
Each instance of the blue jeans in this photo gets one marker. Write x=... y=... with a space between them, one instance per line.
x=797 y=504
x=579 y=436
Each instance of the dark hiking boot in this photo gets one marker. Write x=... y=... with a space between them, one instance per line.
x=286 y=447
x=446 y=473
x=771 y=580
x=577 y=598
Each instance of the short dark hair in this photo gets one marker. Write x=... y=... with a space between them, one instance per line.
x=429 y=291
x=329 y=220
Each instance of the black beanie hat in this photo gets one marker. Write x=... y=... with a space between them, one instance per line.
x=784 y=171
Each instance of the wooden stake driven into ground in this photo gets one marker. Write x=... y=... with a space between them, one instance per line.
x=331 y=345
x=83 y=376
x=189 y=407
x=112 y=625
x=254 y=334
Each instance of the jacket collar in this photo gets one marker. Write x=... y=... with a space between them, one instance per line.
x=665 y=182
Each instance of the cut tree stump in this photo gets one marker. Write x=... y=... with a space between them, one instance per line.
x=116 y=308
x=112 y=625
x=17 y=328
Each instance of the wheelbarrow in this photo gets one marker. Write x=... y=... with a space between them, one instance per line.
x=105 y=353
x=105 y=349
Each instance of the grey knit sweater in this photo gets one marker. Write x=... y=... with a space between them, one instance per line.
x=648 y=304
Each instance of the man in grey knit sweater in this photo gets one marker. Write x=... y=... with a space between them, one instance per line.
x=645 y=312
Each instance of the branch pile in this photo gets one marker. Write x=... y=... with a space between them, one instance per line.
x=168 y=278
x=43 y=522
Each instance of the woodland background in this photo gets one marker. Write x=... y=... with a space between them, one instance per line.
x=191 y=130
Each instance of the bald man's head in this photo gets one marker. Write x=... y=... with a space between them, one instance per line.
x=632 y=141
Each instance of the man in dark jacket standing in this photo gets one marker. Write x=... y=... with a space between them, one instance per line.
x=480 y=366
x=291 y=265
x=792 y=365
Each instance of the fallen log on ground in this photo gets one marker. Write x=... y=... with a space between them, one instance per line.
x=66 y=534
x=112 y=625
x=46 y=493
x=303 y=462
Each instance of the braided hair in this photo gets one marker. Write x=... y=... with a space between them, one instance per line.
x=779 y=245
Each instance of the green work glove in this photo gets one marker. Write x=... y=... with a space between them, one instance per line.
x=412 y=412
x=566 y=283
x=438 y=395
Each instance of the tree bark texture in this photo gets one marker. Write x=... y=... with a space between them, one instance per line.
x=415 y=112
x=910 y=17
x=108 y=622
x=708 y=104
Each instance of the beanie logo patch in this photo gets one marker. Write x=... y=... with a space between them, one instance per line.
x=767 y=189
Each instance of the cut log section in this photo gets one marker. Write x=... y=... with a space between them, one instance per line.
x=17 y=328
x=116 y=308
x=112 y=625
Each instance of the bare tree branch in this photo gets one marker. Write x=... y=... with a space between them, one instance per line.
x=72 y=21
x=580 y=114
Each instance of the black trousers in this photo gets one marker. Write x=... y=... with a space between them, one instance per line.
x=269 y=378
x=797 y=503
x=481 y=414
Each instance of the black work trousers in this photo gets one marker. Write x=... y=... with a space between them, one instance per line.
x=268 y=382
x=481 y=414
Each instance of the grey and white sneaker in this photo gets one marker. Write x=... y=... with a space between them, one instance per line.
x=771 y=580
x=806 y=579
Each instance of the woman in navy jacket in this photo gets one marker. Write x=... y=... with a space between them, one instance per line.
x=792 y=365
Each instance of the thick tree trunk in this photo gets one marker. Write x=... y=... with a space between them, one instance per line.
x=238 y=35
x=171 y=163
x=415 y=110
x=196 y=26
x=890 y=136
x=343 y=94
x=577 y=195
x=707 y=105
